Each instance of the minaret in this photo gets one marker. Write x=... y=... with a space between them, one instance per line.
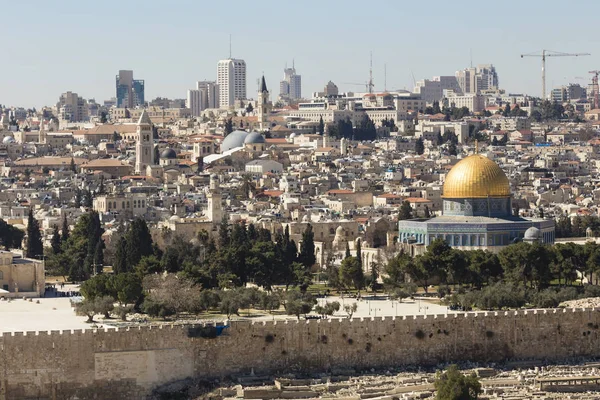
x=43 y=136
x=144 y=151
x=264 y=106
x=214 y=210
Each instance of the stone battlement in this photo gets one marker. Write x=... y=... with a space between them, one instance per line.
x=332 y=320
x=134 y=360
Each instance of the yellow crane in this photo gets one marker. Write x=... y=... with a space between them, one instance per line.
x=550 y=53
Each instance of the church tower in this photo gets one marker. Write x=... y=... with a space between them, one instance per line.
x=144 y=146
x=264 y=106
x=214 y=210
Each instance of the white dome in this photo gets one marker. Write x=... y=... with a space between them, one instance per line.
x=293 y=135
x=8 y=139
x=233 y=140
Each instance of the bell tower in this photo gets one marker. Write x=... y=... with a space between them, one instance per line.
x=144 y=146
x=264 y=105
x=214 y=210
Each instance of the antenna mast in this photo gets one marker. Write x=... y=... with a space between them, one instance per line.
x=370 y=83
x=385 y=77
x=230 y=45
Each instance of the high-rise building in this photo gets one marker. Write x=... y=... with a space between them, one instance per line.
x=475 y=80
x=130 y=92
x=231 y=78
x=206 y=95
x=72 y=108
x=194 y=101
x=290 y=88
x=487 y=77
x=211 y=93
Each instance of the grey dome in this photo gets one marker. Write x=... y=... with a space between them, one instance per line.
x=168 y=153
x=8 y=139
x=532 y=233
x=233 y=140
x=254 y=138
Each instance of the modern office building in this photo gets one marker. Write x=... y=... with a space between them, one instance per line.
x=475 y=80
x=231 y=78
x=130 y=92
x=290 y=88
x=433 y=90
x=569 y=92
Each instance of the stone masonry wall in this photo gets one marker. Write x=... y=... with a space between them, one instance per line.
x=128 y=363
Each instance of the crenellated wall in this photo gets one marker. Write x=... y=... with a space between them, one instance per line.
x=128 y=363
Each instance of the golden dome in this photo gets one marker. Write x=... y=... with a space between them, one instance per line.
x=476 y=177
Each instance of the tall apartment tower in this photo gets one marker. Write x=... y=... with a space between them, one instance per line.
x=263 y=105
x=206 y=95
x=130 y=92
x=231 y=78
x=144 y=146
x=291 y=86
x=194 y=101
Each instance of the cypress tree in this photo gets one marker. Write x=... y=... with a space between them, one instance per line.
x=35 y=248
x=56 y=241
x=120 y=264
x=348 y=254
x=64 y=235
x=139 y=242
x=307 y=248
x=359 y=252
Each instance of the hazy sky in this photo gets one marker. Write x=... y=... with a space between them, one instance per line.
x=50 y=47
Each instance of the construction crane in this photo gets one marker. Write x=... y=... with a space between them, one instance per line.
x=595 y=86
x=365 y=85
x=550 y=53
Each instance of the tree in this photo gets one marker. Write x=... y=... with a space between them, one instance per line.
x=73 y=166
x=307 y=248
x=64 y=234
x=297 y=303
x=127 y=287
x=10 y=237
x=419 y=146
x=321 y=128
x=91 y=307
x=249 y=108
x=35 y=247
x=103 y=119
x=436 y=107
x=139 y=242
x=350 y=309
x=405 y=211
x=452 y=150
x=228 y=127
x=453 y=385
x=506 y=112
x=55 y=241
x=351 y=273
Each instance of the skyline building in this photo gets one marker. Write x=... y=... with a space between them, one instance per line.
x=290 y=87
x=130 y=92
x=231 y=78
x=206 y=95
x=72 y=108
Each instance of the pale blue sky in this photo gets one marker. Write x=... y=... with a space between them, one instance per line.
x=50 y=47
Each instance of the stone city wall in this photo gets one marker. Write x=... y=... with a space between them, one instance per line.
x=128 y=363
